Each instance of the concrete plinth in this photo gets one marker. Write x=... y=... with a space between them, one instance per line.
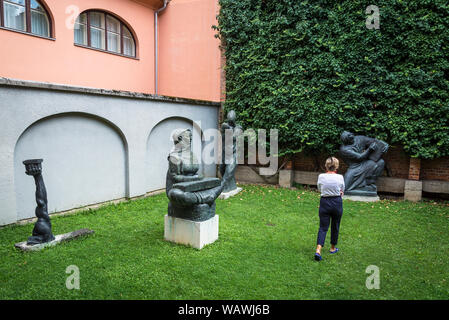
x=226 y=195
x=286 y=178
x=361 y=198
x=192 y=233
x=58 y=239
x=413 y=190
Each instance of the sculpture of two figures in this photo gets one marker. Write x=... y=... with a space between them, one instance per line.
x=42 y=229
x=363 y=155
x=192 y=196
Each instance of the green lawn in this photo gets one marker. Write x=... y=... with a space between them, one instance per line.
x=264 y=251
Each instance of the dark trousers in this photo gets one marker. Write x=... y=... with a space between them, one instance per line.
x=331 y=210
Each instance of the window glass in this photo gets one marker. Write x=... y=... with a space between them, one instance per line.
x=81 y=29
x=97 y=34
x=21 y=2
x=97 y=38
x=113 y=27
x=103 y=31
x=129 y=48
x=114 y=42
x=82 y=18
x=17 y=12
x=14 y=16
x=97 y=19
x=35 y=5
x=39 y=20
x=113 y=24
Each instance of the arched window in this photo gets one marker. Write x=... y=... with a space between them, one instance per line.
x=27 y=16
x=102 y=31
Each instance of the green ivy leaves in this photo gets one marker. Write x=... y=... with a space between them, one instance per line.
x=312 y=69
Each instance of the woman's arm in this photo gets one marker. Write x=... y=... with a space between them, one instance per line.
x=319 y=183
x=342 y=185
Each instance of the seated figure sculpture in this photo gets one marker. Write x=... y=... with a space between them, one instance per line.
x=191 y=196
x=363 y=156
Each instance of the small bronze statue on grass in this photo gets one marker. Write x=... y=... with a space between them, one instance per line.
x=363 y=155
x=42 y=229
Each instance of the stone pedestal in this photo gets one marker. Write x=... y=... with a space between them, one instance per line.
x=58 y=239
x=361 y=198
x=413 y=190
x=286 y=178
x=226 y=195
x=192 y=233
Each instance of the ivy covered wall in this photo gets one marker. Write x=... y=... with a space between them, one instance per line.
x=313 y=69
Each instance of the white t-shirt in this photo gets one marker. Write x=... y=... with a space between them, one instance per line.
x=330 y=184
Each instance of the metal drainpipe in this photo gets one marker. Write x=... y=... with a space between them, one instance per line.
x=156 y=13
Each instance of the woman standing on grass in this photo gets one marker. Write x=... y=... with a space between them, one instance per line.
x=332 y=186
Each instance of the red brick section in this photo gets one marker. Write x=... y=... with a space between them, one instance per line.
x=398 y=162
x=414 y=169
x=437 y=169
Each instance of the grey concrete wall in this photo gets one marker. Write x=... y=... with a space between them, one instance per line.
x=244 y=174
x=97 y=145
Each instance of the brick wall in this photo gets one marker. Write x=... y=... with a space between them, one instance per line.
x=414 y=169
x=397 y=162
x=437 y=169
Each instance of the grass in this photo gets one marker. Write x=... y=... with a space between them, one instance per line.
x=265 y=250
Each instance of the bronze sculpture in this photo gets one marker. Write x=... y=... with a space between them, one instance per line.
x=363 y=156
x=42 y=229
x=191 y=196
x=229 y=152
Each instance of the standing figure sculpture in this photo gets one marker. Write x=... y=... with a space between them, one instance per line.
x=42 y=229
x=363 y=157
x=191 y=196
x=229 y=129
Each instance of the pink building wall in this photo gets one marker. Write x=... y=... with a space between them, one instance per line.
x=189 y=54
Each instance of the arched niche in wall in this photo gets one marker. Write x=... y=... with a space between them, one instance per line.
x=84 y=162
x=159 y=144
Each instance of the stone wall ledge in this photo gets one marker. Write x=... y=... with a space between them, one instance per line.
x=106 y=92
